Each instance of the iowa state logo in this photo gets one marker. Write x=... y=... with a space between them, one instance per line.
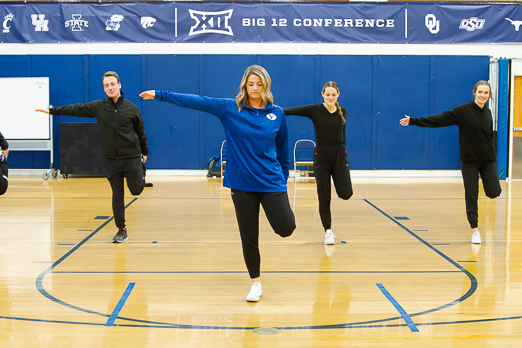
x=211 y=22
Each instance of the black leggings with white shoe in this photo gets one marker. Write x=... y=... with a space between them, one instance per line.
x=278 y=212
x=490 y=180
x=331 y=162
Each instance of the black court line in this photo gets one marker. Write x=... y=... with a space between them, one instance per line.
x=365 y=324
x=244 y=272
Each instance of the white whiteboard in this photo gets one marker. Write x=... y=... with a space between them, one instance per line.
x=19 y=97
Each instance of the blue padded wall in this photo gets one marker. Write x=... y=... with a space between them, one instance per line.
x=403 y=88
x=173 y=132
x=354 y=76
x=376 y=90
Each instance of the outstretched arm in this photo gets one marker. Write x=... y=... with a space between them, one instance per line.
x=405 y=121
x=215 y=106
x=151 y=94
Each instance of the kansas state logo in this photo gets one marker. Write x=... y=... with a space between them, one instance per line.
x=211 y=22
x=271 y=117
x=39 y=22
x=113 y=23
x=7 y=22
x=516 y=24
x=472 y=24
x=147 y=22
x=431 y=22
x=77 y=23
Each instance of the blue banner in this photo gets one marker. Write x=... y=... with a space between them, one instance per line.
x=260 y=22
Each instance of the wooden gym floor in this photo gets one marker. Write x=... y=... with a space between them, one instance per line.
x=402 y=274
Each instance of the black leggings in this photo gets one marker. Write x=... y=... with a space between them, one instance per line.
x=470 y=174
x=278 y=212
x=115 y=170
x=331 y=162
x=3 y=177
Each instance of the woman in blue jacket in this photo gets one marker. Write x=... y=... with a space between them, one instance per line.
x=257 y=159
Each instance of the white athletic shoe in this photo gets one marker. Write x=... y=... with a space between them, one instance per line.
x=329 y=237
x=475 y=238
x=255 y=293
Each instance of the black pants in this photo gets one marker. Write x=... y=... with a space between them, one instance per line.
x=278 y=212
x=116 y=170
x=470 y=174
x=3 y=177
x=331 y=162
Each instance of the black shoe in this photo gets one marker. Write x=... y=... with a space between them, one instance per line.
x=148 y=184
x=121 y=236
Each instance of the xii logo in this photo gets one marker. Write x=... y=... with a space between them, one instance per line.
x=211 y=22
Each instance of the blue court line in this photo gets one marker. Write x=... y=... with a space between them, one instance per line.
x=399 y=308
x=120 y=304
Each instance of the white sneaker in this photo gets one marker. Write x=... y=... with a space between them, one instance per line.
x=329 y=237
x=475 y=238
x=255 y=293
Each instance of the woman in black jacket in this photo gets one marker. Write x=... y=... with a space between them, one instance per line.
x=477 y=151
x=3 y=164
x=330 y=157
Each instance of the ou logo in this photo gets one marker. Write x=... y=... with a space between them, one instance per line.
x=432 y=23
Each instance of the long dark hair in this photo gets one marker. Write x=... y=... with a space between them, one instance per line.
x=334 y=85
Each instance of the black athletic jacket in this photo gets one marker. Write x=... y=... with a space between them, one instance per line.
x=475 y=130
x=122 y=133
x=3 y=143
x=329 y=128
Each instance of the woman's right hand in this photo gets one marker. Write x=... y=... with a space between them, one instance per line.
x=148 y=94
x=405 y=121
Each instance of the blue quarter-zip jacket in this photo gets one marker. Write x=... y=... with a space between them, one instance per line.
x=257 y=141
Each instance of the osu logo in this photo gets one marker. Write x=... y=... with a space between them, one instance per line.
x=472 y=24
x=211 y=22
